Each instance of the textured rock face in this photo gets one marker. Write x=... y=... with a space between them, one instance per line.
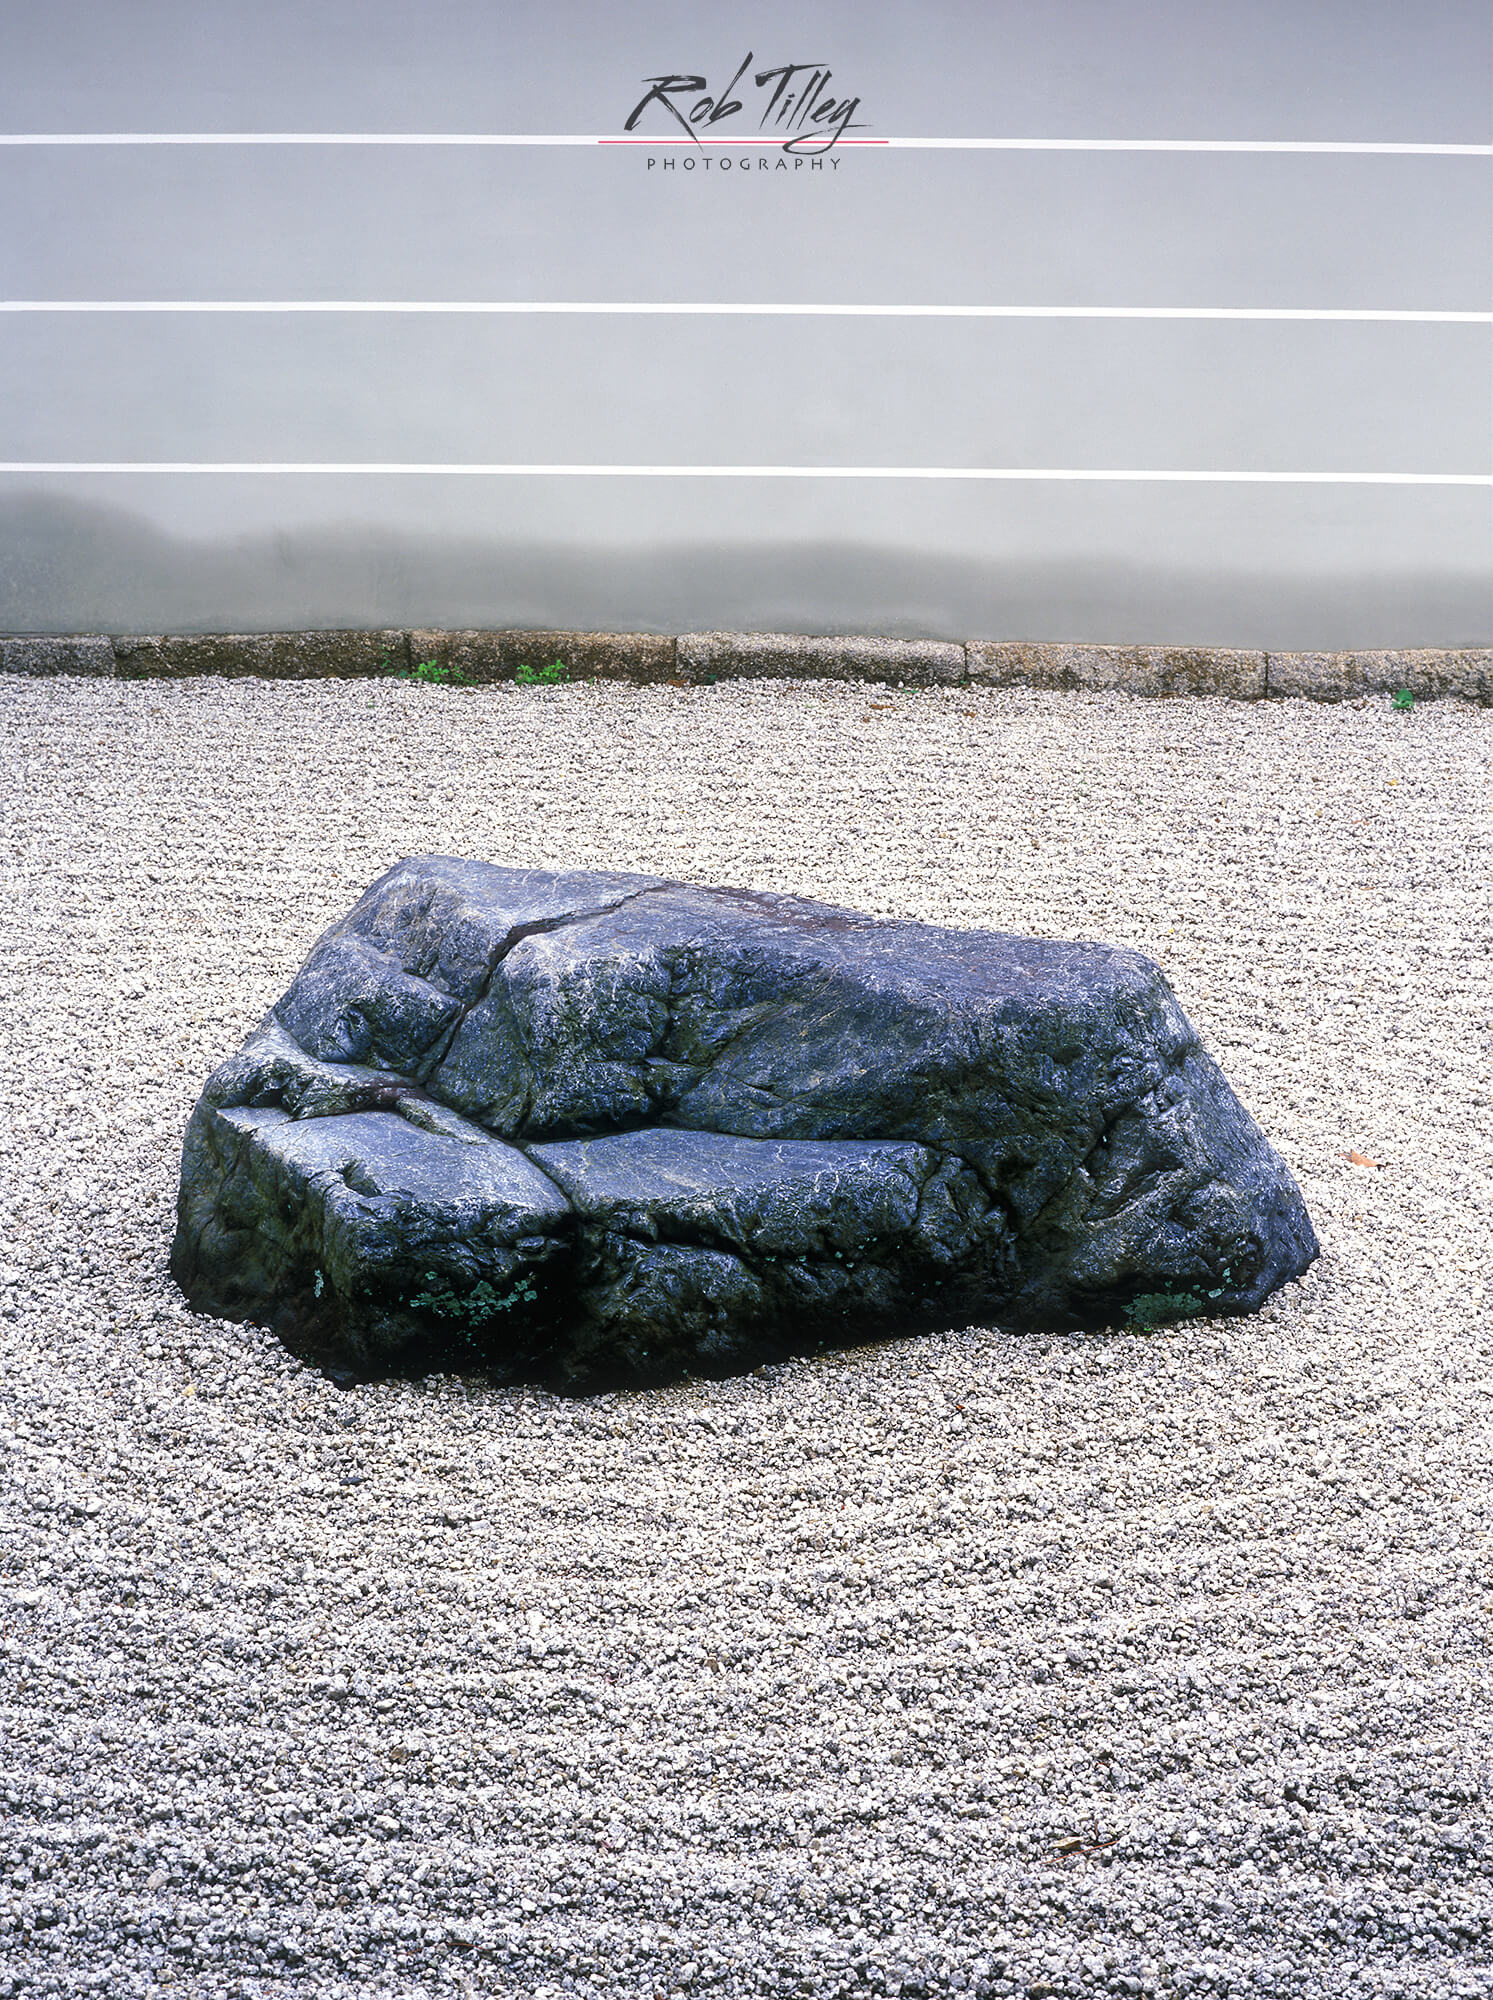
x=594 y=1125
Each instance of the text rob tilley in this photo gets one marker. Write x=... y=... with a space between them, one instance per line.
x=800 y=104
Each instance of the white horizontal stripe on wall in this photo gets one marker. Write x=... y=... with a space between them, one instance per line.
x=756 y=472
x=743 y=309
x=669 y=139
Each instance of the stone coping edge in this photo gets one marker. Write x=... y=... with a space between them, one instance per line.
x=697 y=658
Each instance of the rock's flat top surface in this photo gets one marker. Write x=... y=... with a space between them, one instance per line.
x=556 y=1691
x=778 y=1017
x=666 y=1169
x=383 y=1159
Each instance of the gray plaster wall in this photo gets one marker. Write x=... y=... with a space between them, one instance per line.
x=1234 y=566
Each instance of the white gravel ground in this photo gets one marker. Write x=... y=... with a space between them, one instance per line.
x=805 y=1683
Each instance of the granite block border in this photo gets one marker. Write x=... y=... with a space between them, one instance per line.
x=273 y=656
x=1427 y=672
x=1153 y=670
x=698 y=658
x=84 y=653
x=640 y=657
x=707 y=656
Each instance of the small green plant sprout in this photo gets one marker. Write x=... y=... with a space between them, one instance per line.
x=469 y=1310
x=551 y=676
x=431 y=672
x=1153 y=1309
x=1404 y=698
x=1227 y=1276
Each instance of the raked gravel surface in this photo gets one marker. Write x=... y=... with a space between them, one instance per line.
x=983 y=1664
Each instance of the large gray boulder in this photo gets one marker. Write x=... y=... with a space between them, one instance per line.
x=592 y=1126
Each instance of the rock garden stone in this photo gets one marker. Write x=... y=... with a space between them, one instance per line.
x=595 y=1126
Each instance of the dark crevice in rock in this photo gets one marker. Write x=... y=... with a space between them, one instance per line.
x=539 y=927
